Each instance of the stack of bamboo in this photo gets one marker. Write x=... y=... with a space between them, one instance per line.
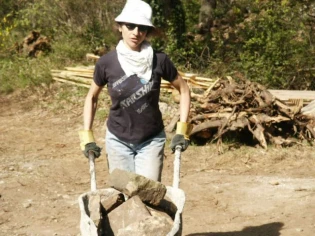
x=79 y=76
x=82 y=76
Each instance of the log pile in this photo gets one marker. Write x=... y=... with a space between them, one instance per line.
x=237 y=106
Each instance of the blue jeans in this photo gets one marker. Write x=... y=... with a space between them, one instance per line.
x=144 y=159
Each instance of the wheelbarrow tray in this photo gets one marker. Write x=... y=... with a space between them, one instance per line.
x=174 y=193
x=88 y=228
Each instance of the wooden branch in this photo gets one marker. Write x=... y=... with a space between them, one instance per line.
x=227 y=115
x=91 y=56
x=239 y=123
x=258 y=132
x=228 y=102
x=284 y=109
x=226 y=121
x=206 y=93
x=206 y=125
x=263 y=118
x=311 y=129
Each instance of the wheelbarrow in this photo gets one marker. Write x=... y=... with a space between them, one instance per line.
x=174 y=193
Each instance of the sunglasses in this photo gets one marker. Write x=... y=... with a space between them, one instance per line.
x=141 y=28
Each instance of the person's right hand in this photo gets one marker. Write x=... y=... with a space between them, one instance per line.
x=181 y=137
x=87 y=143
x=179 y=140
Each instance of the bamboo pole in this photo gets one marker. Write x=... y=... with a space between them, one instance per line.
x=80 y=69
x=71 y=82
x=68 y=73
x=74 y=78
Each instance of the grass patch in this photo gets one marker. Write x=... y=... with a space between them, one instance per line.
x=17 y=73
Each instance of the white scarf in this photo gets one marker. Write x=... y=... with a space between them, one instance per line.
x=133 y=62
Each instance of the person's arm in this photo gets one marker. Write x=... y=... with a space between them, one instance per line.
x=183 y=128
x=90 y=106
x=87 y=141
x=180 y=84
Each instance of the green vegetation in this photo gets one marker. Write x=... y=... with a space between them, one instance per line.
x=271 y=42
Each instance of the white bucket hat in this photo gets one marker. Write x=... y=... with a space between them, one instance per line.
x=136 y=12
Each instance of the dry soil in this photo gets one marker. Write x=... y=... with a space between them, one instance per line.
x=246 y=191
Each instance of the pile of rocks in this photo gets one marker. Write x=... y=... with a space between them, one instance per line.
x=137 y=207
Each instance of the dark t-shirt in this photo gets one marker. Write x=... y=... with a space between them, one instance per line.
x=134 y=114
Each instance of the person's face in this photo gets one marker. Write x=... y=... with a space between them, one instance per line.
x=133 y=35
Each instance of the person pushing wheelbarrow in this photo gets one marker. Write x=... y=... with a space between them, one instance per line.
x=132 y=72
x=135 y=136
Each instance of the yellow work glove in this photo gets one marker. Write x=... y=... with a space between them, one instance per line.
x=87 y=143
x=181 y=138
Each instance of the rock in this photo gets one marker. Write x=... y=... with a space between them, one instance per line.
x=154 y=225
x=131 y=211
x=131 y=184
x=110 y=203
x=160 y=214
x=95 y=208
x=27 y=204
x=274 y=182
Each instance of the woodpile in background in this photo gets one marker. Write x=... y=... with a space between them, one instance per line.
x=33 y=45
x=232 y=106
x=224 y=106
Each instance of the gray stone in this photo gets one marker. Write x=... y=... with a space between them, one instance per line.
x=153 y=225
x=160 y=214
x=110 y=203
x=132 y=184
x=95 y=208
x=131 y=211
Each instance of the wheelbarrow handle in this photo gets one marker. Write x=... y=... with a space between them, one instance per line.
x=176 y=177
x=92 y=170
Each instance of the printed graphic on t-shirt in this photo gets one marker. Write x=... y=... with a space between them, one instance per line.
x=130 y=91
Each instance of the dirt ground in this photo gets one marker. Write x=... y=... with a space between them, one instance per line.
x=244 y=192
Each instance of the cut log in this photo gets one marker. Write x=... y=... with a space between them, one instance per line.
x=207 y=125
